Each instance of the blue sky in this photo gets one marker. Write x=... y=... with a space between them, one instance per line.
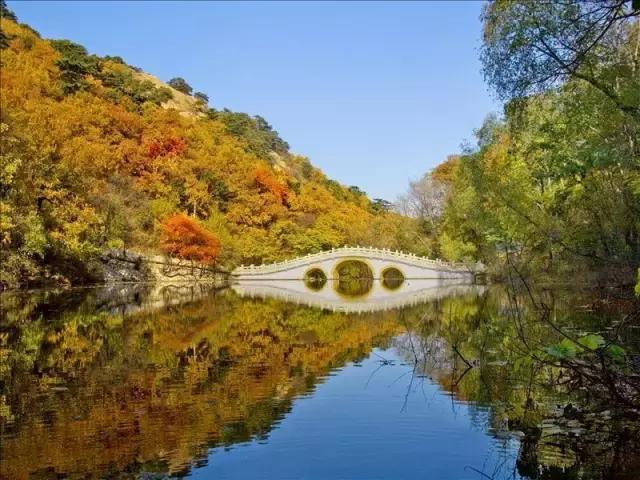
x=374 y=93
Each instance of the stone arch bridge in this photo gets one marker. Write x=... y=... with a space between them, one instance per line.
x=411 y=266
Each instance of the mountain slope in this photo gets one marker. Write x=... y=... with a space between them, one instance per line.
x=96 y=155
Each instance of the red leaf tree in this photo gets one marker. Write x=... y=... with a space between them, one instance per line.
x=165 y=147
x=184 y=237
x=266 y=182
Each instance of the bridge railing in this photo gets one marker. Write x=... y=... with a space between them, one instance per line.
x=357 y=251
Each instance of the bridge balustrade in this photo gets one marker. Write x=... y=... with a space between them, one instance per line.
x=363 y=252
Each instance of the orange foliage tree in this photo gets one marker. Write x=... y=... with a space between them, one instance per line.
x=168 y=146
x=93 y=160
x=266 y=182
x=185 y=238
x=446 y=171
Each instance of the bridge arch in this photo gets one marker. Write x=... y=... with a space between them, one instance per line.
x=392 y=277
x=315 y=278
x=361 y=266
x=353 y=277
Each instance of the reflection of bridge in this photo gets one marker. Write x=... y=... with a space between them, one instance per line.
x=411 y=292
x=411 y=266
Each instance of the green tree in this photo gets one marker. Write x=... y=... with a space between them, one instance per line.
x=75 y=65
x=203 y=97
x=4 y=40
x=532 y=46
x=380 y=205
x=181 y=85
x=6 y=12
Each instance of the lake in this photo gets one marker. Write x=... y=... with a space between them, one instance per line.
x=445 y=383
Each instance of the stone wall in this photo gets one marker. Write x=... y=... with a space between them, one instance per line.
x=118 y=266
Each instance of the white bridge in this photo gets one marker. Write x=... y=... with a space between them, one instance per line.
x=378 y=260
x=393 y=280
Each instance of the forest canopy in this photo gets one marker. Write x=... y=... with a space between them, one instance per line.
x=553 y=184
x=98 y=155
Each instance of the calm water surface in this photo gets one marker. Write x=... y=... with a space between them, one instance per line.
x=174 y=382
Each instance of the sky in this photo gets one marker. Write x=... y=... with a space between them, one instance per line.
x=375 y=94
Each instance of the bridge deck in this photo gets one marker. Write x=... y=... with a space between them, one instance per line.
x=356 y=252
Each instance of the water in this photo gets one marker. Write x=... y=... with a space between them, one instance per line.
x=367 y=420
x=137 y=382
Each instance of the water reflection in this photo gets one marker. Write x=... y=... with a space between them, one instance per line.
x=168 y=381
x=350 y=299
x=315 y=279
x=353 y=279
x=392 y=278
x=353 y=288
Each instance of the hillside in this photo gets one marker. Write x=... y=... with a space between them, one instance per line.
x=97 y=155
x=187 y=105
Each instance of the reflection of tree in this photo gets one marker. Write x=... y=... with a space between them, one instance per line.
x=492 y=351
x=355 y=278
x=315 y=279
x=153 y=391
x=93 y=385
x=392 y=278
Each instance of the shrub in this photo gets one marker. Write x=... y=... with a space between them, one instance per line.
x=123 y=82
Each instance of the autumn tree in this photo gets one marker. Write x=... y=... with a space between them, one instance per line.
x=93 y=156
x=266 y=182
x=424 y=199
x=185 y=238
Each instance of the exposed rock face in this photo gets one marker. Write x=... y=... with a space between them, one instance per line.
x=186 y=105
x=117 y=266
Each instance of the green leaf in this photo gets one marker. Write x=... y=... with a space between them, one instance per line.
x=616 y=352
x=591 y=342
x=564 y=350
x=522 y=363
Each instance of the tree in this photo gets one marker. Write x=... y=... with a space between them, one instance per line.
x=75 y=65
x=446 y=171
x=184 y=237
x=121 y=79
x=531 y=46
x=357 y=191
x=256 y=132
x=181 y=85
x=266 y=182
x=203 y=97
x=4 y=40
x=424 y=199
x=379 y=205
x=6 y=12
